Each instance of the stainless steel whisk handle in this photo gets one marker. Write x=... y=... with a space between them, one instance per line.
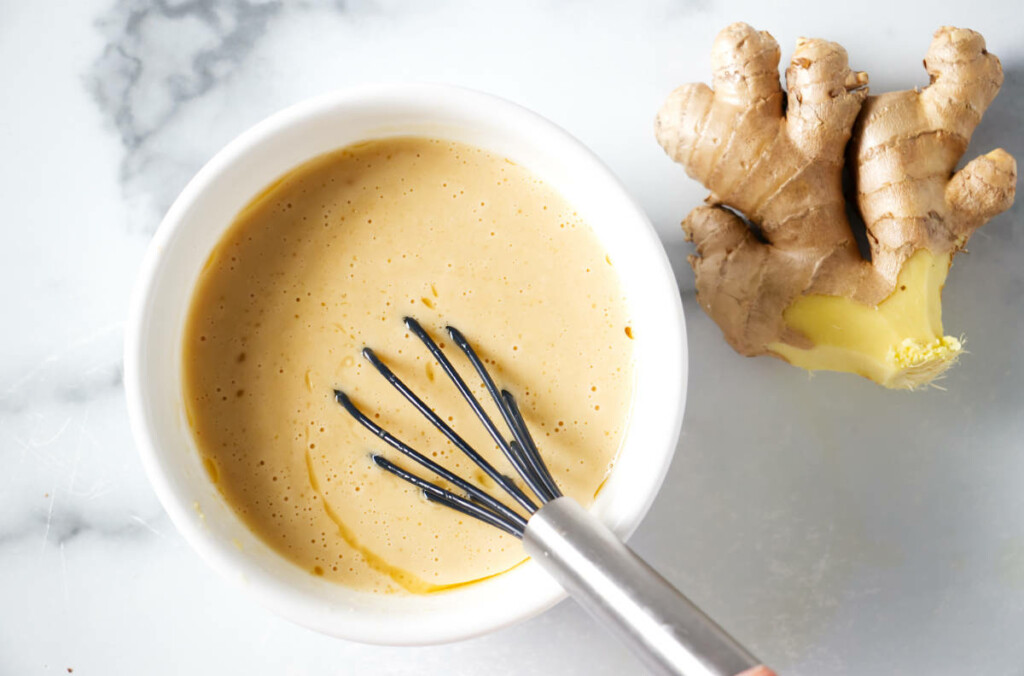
x=667 y=632
x=661 y=626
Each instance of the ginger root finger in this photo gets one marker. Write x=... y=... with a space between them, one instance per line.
x=736 y=140
x=982 y=189
x=906 y=145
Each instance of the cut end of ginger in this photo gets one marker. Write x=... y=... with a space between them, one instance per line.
x=898 y=344
x=920 y=363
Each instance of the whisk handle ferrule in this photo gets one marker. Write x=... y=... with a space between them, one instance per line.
x=664 y=629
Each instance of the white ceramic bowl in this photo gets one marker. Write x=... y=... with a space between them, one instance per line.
x=196 y=222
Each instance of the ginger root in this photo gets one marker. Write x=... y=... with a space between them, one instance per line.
x=798 y=288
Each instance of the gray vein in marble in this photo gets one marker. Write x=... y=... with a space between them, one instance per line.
x=128 y=69
x=69 y=466
x=160 y=56
x=92 y=383
x=63 y=528
x=72 y=375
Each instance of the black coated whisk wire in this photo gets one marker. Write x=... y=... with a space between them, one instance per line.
x=505 y=482
x=535 y=479
x=521 y=451
x=471 y=490
x=437 y=494
x=514 y=458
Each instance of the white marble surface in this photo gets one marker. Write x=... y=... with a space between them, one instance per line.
x=835 y=527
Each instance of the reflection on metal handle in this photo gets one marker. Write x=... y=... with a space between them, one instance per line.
x=664 y=628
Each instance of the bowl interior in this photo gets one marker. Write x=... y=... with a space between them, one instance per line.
x=196 y=222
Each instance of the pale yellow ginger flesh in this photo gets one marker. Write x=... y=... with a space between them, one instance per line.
x=898 y=343
x=799 y=289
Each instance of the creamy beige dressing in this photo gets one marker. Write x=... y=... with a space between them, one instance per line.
x=328 y=260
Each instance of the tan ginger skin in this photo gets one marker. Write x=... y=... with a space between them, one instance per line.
x=783 y=171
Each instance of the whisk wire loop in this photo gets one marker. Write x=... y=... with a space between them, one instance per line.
x=521 y=451
x=528 y=449
x=505 y=482
x=532 y=479
x=517 y=462
x=476 y=493
x=437 y=494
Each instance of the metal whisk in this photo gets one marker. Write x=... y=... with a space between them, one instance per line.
x=664 y=628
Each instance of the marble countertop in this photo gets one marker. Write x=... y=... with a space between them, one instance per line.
x=835 y=527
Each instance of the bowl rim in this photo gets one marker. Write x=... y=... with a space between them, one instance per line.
x=277 y=596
